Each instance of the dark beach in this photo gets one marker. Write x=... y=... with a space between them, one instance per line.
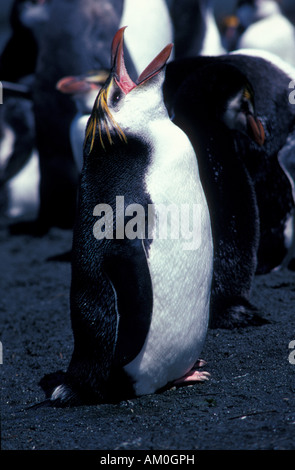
x=248 y=403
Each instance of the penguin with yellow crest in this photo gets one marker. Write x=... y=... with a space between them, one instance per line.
x=139 y=300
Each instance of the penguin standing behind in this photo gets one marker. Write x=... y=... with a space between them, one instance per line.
x=139 y=301
x=271 y=165
x=19 y=170
x=194 y=28
x=248 y=192
x=149 y=30
x=19 y=56
x=288 y=9
x=197 y=103
x=68 y=47
x=83 y=89
x=265 y=27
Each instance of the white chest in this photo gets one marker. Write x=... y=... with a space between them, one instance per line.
x=180 y=263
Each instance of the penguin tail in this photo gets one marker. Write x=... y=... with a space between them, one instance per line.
x=58 y=391
x=240 y=313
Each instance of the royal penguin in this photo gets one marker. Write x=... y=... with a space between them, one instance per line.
x=235 y=110
x=272 y=165
x=139 y=301
x=196 y=104
x=83 y=89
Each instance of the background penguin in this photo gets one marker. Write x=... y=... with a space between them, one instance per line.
x=265 y=27
x=84 y=90
x=213 y=101
x=139 y=304
x=68 y=47
x=197 y=102
x=149 y=30
x=19 y=173
x=288 y=8
x=272 y=166
x=19 y=56
x=81 y=45
x=194 y=28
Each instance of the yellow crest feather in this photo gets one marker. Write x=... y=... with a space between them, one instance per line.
x=102 y=119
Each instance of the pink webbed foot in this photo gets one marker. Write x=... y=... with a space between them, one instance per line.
x=194 y=375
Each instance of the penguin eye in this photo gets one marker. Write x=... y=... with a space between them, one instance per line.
x=115 y=98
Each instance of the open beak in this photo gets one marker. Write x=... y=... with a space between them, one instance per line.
x=72 y=85
x=82 y=83
x=101 y=117
x=256 y=129
x=119 y=68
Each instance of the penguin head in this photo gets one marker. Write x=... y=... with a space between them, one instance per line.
x=214 y=92
x=240 y=114
x=123 y=105
x=230 y=97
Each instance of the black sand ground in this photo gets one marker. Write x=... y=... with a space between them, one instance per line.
x=248 y=403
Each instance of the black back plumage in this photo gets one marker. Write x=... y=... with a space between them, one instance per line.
x=226 y=182
x=114 y=275
x=197 y=93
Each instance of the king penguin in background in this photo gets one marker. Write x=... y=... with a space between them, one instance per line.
x=139 y=301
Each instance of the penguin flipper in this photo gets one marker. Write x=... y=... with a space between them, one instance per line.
x=128 y=272
x=126 y=268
